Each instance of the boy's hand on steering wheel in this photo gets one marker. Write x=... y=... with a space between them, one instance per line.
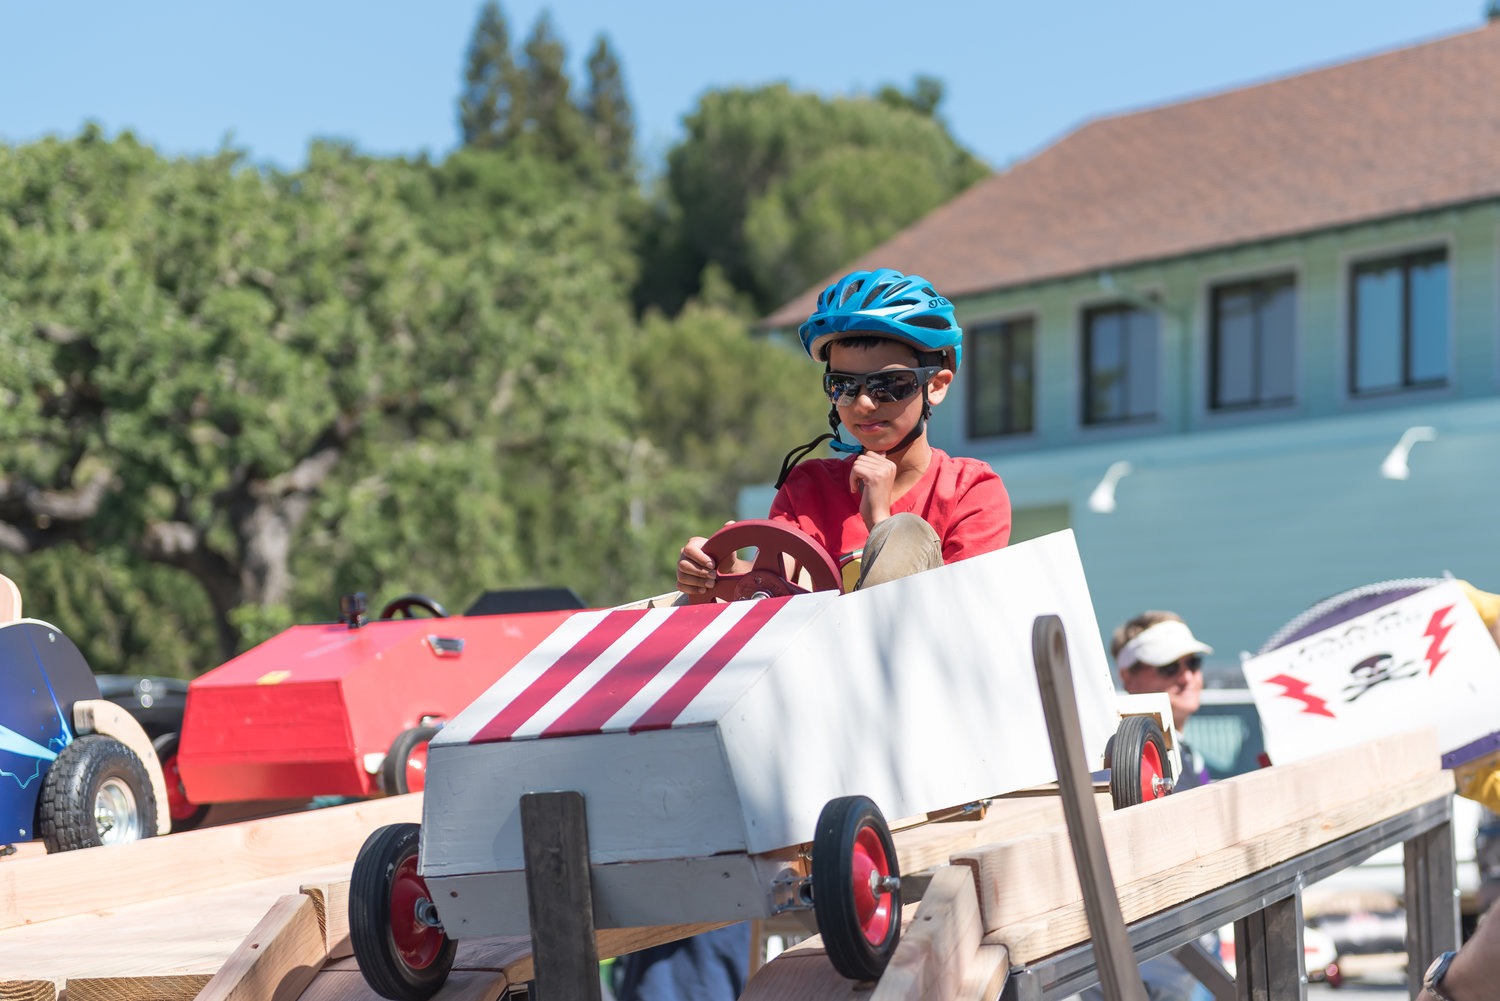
x=696 y=570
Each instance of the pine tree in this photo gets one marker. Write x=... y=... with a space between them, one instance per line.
x=608 y=110
x=491 y=108
x=553 y=121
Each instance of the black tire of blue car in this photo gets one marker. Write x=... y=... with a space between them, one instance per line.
x=97 y=792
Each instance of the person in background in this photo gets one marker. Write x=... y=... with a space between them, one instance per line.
x=710 y=965
x=1472 y=973
x=1157 y=652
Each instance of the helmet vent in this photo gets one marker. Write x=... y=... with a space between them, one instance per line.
x=851 y=290
x=875 y=296
x=931 y=322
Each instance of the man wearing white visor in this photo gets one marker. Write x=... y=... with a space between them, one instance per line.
x=1157 y=652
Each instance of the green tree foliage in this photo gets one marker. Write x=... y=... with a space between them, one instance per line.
x=608 y=112
x=555 y=126
x=780 y=188
x=925 y=95
x=526 y=104
x=276 y=384
x=491 y=107
x=726 y=408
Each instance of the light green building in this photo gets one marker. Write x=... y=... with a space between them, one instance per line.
x=1246 y=346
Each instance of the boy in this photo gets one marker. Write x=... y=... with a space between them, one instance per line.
x=890 y=347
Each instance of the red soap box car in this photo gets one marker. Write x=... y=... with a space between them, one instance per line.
x=345 y=708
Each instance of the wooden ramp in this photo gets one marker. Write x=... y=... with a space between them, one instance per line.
x=259 y=910
x=1017 y=901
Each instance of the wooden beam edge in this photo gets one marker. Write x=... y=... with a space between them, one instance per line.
x=277 y=960
x=1033 y=935
x=40 y=888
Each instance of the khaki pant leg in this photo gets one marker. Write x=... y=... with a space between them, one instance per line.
x=898 y=547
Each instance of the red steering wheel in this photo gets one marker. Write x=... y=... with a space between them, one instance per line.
x=777 y=543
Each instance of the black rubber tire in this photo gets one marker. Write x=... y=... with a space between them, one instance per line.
x=1126 y=750
x=166 y=752
x=393 y=779
x=92 y=766
x=833 y=876
x=370 y=931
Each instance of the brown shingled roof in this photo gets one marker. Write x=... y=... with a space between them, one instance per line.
x=1400 y=132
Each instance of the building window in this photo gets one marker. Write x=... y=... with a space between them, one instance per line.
x=1250 y=348
x=1001 y=360
x=1399 y=321
x=1119 y=365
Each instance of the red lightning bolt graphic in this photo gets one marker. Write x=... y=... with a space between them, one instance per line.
x=1296 y=688
x=1438 y=630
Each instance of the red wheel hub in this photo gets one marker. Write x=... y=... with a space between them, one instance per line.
x=1153 y=785
x=418 y=942
x=416 y=768
x=872 y=908
x=178 y=805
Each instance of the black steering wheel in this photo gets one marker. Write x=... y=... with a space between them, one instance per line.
x=405 y=605
x=777 y=544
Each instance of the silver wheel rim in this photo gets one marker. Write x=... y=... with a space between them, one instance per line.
x=115 y=816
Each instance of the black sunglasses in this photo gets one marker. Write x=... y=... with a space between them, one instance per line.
x=1192 y=662
x=890 y=385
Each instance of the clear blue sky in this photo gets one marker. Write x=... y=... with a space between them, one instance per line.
x=270 y=75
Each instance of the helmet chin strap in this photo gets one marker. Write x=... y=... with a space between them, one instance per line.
x=838 y=444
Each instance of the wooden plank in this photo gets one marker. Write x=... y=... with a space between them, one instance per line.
x=1114 y=961
x=1217 y=833
x=178 y=988
x=331 y=901
x=190 y=935
x=349 y=985
x=803 y=973
x=934 y=844
x=559 y=895
x=277 y=960
x=28 y=990
x=48 y=887
x=986 y=975
x=933 y=956
x=1033 y=936
x=1200 y=821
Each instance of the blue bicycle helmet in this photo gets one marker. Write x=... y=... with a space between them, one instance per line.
x=888 y=304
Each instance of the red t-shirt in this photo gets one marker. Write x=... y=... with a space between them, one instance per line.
x=962 y=499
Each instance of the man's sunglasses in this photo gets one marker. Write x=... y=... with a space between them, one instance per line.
x=890 y=385
x=1192 y=662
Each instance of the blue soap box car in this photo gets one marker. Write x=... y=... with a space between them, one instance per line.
x=76 y=770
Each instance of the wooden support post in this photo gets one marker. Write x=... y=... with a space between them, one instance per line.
x=1268 y=956
x=1431 y=904
x=1119 y=976
x=560 y=898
